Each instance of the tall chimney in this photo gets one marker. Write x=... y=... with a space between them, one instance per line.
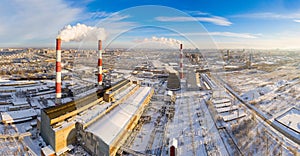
x=181 y=62
x=58 y=72
x=100 y=79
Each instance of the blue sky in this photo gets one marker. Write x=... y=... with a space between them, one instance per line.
x=266 y=24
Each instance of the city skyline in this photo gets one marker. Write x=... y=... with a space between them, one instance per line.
x=230 y=24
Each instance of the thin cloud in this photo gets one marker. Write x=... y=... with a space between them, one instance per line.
x=232 y=34
x=91 y=18
x=115 y=23
x=195 y=13
x=269 y=15
x=223 y=34
x=116 y=16
x=217 y=20
x=297 y=21
x=98 y=14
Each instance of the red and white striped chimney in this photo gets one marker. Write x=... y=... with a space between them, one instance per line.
x=100 y=79
x=181 y=62
x=58 y=72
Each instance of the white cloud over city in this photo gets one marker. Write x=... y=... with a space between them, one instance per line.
x=34 y=19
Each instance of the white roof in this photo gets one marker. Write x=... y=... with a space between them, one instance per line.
x=20 y=102
x=170 y=69
x=157 y=64
x=169 y=93
x=108 y=127
x=173 y=64
x=92 y=112
x=47 y=150
x=233 y=116
x=218 y=101
x=13 y=116
x=226 y=109
x=227 y=104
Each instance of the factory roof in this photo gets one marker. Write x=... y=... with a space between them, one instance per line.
x=234 y=115
x=112 y=124
x=226 y=109
x=173 y=64
x=170 y=69
x=157 y=64
x=221 y=100
x=191 y=81
x=56 y=111
x=20 y=102
x=220 y=105
x=48 y=150
x=16 y=116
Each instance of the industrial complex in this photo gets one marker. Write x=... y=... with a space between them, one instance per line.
x=89 y=120
x=166 y=103
x=151 y=102
x=174 y=102
x=149 y=78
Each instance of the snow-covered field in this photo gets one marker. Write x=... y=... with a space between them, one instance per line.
x=272 y=92
x=291 y=119
x=272 y=89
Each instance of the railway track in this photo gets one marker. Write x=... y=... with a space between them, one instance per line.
x=258 y=113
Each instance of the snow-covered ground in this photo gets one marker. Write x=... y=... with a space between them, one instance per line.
x=291 y=119
x=272 y=92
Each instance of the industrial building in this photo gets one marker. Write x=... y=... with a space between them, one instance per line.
x=58 y=123
x=192 y=81
x=18 y=116
x=173 y=82
x=106 y=135
x=57 y=126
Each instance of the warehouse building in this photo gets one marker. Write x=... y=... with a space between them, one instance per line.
x=106 y=135
x=60 y=124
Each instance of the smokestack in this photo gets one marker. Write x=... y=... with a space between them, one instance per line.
x=100 y=79
x=181 y=62
x=58 y=72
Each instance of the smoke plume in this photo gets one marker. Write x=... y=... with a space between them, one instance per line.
x=81 y=32
x=163 y=40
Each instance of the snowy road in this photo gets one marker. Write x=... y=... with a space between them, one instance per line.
x=194 y=128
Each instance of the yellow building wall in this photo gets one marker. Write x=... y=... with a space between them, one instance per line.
x=65 y=137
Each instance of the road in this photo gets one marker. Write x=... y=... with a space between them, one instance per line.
x=194 y=127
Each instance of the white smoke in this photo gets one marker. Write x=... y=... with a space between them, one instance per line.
x=163 y=40
x=81 y=32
